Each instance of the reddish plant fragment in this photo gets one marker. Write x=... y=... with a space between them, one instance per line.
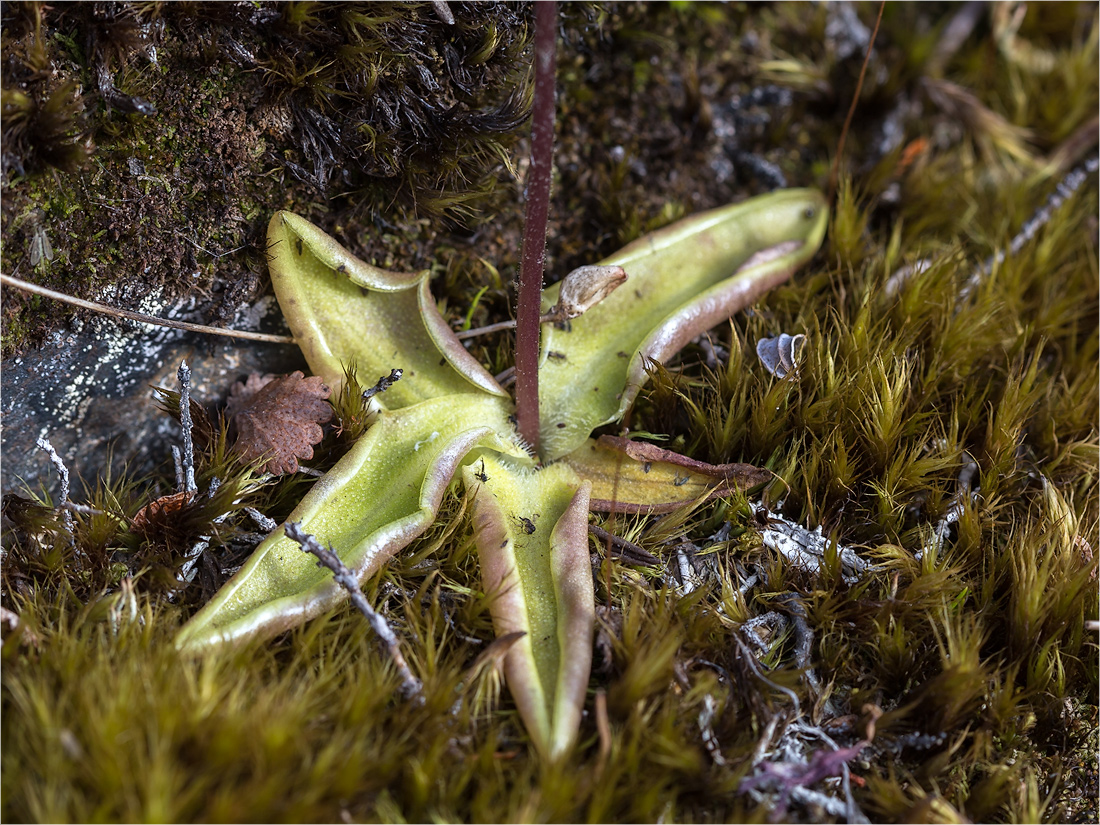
x=749 y=474
x=159 y=512
x=698 y=476
x=279 y=418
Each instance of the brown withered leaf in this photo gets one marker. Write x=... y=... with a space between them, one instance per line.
x=278 y=418
x=160 y=511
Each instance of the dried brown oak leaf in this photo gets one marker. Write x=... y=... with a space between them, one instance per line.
x=278 y=417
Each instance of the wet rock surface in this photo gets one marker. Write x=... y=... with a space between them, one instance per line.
x=88 y=390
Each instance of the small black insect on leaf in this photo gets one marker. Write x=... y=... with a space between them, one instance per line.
x=383 y=384
x=480 y=475
x=527 y=524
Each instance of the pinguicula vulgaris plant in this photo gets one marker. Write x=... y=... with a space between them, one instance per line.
x=531 y=485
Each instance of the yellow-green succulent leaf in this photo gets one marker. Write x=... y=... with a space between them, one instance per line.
x=636 y=477
x=682 y=280
x=450 y=347
x=531 y=529
x=342 y=310
x=379 y=497
x=571 y=570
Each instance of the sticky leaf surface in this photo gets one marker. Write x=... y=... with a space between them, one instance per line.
x=342 y=311
x=531 y=528
x=384 y=493
x=682 y=280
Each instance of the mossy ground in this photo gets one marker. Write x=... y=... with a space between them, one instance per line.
x=978 y=653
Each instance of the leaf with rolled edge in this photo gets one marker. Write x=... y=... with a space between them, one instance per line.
x=379 y=497
x=531 y=529
x=531 y=525
x=342 y=310
x=679 y=285
x=638 y=477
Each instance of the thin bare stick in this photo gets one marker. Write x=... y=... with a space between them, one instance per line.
x=141 y=318
x=624 y=550
x=326 y=557
x=384 y=383
x=706 y=730
x=497 y=327
x=750 y=661
x=266 y=524
x=548 y=318
x=188 y=457
x=63 y=476
x=1065 y=189
x=852 y=109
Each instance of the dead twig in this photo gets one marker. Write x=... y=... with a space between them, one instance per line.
x=266 y=524
x=803 y=638
x=188 y=457
x=706 y=730
x=941 y=531
x=620 y=548
x=62 y=475
x=140 y=317
x=326 y=557
x=497 y=327
x=1065 y=189
x=750 y=660
x=806 y=549
x=384 y=383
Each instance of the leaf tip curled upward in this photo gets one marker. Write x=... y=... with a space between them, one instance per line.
x=342 y=309
x=684 y=279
